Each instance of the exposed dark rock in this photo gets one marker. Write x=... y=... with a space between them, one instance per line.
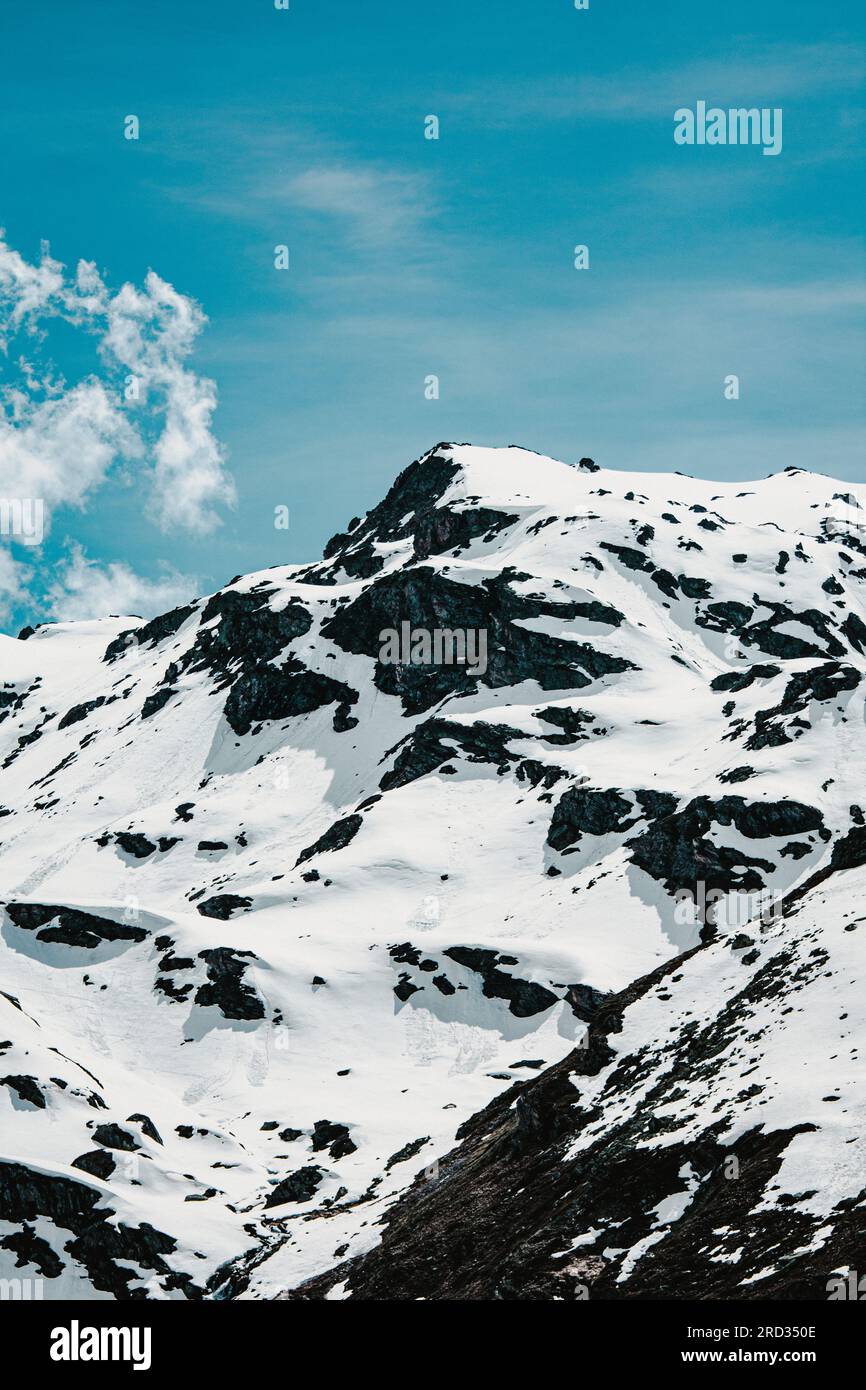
x=505 y=1206
x=333 y=1137
x=282 y=692
x=223 y=905
x=677 y=850
x=693 y=587
x=337 y=836
x=741 y=680
x=248 y=633
x=820 y=683
x=405 y=954
x=572 y=722
x=729 y=616
x=74 y=928
x=26 y=1088
x=157 y=701
x=147 y=1126
x=580 y=812
x=408 y=511
x=404 y=989
x=31 y=1249
x=150 y=634
x=97 y=1162
x=795 y=850
x=78 y=712
x=408 y=1151
x=447 y=528
x=855 y=630
x=226 y=989
x=113 y=1137
x=427 y=599
x=139 y=846
x=297 y=1187
x=767 y=636
x=586 y=1002
x=434 y=742
x=525 y=997
x=632 y=559
x=655 y=804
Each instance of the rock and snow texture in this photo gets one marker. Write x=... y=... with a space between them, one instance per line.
x=280 y=918
x=706 y=1142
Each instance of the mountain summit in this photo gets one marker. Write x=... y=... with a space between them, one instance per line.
x=338 y=964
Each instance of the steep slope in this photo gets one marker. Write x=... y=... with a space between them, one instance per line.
x=705 y=1141
x=281 y=914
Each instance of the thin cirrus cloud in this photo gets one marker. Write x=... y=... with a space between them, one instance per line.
x=380 y=207
x=377 y=204
x=781 y=72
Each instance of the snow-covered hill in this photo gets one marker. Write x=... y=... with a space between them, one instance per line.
x=281 y=915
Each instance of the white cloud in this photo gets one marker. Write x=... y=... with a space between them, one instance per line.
x=59 y=442
x=61 y=449
x=11 y=585
x=150 y=334
x=27 y=290
x=189 y=477
x=85 y=590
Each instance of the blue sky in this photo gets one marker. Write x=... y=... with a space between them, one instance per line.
x=408 y=257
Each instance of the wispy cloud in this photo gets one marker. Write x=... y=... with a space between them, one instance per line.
x=764 y=75
x=379 y=207
x=262 y=176
x=26 y=290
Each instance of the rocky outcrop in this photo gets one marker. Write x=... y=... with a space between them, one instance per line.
x=73 y=927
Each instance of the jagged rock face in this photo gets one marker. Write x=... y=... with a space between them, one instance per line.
x=428 y=600
x=280 y=915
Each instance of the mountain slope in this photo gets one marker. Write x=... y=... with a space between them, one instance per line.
x=280 y=915
x=707 y=1141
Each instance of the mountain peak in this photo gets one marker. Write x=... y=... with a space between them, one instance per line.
x=543 y=772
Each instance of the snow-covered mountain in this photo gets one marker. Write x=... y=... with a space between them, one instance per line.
x=325 y=974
